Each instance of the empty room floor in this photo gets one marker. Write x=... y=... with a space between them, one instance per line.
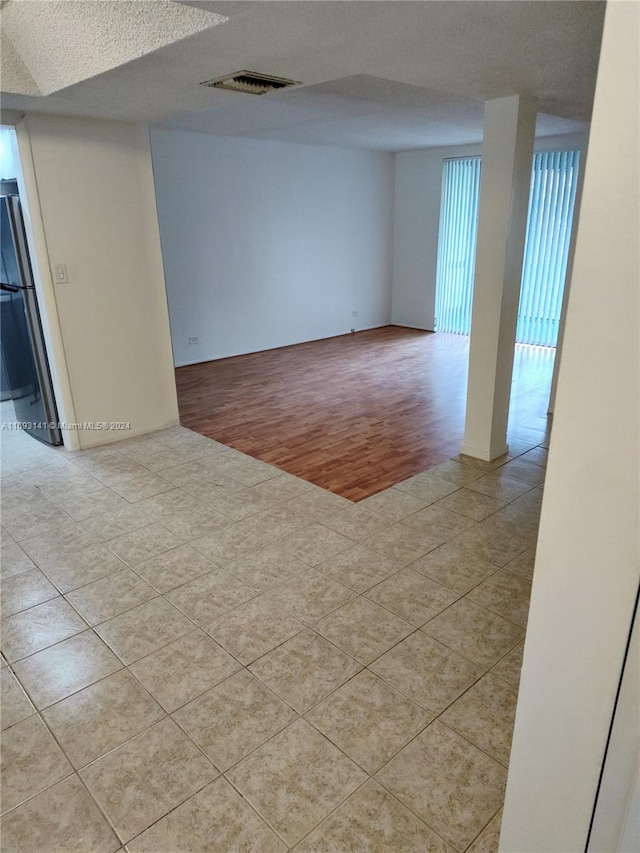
x=354 y=414
x=202 y=652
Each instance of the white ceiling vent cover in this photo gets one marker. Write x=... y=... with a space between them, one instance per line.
x=250 y=83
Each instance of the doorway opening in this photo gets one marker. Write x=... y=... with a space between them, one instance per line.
x=26 y=388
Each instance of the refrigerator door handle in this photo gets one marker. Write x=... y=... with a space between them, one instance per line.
x=16 y=288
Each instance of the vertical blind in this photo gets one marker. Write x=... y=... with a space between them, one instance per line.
x=551 y=203
x=552 y=196
x=457 y=244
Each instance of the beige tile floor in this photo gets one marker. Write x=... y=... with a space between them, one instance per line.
x=202 y=653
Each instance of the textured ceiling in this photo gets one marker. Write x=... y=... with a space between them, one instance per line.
x=61 y=43
x=359 y=111
x=386 y=75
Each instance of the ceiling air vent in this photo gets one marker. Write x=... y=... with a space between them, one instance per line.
x=250 y=83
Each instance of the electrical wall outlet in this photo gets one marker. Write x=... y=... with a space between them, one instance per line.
x=194 y=340
x=60 y=274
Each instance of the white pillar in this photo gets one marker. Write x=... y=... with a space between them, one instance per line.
x=588 y=557
x=507 y=154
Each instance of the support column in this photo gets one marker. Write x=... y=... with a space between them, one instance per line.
x=507 y=154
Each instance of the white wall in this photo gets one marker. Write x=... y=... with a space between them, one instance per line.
x=616 y=822
x=268 y=243
x=417 y=222
x=588 y=563
x=93 y=183
x=630 y=841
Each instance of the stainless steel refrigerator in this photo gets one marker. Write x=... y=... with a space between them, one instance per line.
x=26 y=378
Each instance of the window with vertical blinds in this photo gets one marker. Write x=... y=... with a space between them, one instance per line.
x=554 y=178
x=457 y=244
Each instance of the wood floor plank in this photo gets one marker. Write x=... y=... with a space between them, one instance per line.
x=354 y=414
